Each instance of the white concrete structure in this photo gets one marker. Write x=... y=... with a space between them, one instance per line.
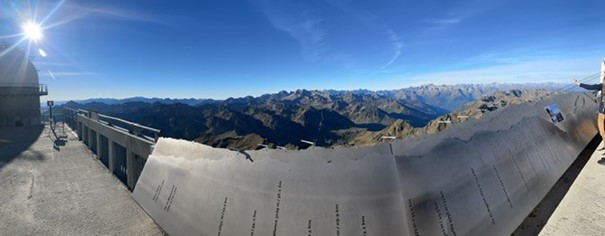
x=20 y=90
x=120 y=149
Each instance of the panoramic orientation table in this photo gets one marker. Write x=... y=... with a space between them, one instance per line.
x=476 y=178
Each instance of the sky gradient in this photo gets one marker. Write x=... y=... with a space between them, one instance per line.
x=234 y=48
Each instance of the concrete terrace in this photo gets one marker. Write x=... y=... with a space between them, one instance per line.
x=582 y=210
x=51 y=187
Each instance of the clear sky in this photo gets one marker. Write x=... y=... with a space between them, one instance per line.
x=232 y=48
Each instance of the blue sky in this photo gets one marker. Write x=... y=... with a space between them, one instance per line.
x=232 y=48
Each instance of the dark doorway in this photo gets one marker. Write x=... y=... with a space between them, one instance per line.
x=93 y=142
x=139 y=164
x=104 y=151
x=85 y=135
x=120 y=165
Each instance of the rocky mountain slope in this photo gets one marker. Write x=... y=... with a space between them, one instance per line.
x=473 y=110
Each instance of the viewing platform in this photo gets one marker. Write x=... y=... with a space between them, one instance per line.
x=58 y=187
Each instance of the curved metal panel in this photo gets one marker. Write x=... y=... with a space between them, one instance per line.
x=480 y=177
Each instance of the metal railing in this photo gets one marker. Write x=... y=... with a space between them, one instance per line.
x=133 y=128
x=23 y=88
x=138 y=130
x=43 y=89
x=22 y=85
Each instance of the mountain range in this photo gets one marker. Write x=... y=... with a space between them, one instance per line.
x=326 y=117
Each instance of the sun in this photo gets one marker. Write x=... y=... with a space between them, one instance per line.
x=32 y=31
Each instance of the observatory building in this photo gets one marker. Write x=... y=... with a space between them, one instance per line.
x=20 y=89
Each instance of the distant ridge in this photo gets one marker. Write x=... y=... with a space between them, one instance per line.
x=326 y=117
x=411 y=92
x=113 y=101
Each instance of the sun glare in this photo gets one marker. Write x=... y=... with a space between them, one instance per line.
x=32 y=31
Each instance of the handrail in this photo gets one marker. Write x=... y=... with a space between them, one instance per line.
x=131 y=123
x=43 y=89
x=70 y=109
x=26 y=85
x=131 y=127
x=28 y=88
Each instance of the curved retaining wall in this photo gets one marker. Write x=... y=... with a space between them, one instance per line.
x=477 y=178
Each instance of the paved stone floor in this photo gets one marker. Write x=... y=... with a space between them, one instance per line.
x=582 y=210
x=58 y=188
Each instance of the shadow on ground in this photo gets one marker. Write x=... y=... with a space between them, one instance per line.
x=16 y=140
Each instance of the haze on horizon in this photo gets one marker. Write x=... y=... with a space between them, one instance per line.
x=220 y=49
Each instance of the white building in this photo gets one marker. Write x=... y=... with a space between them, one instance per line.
x=20 y=89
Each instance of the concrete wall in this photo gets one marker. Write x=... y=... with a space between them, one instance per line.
x=482 y=177
x=122 y=147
